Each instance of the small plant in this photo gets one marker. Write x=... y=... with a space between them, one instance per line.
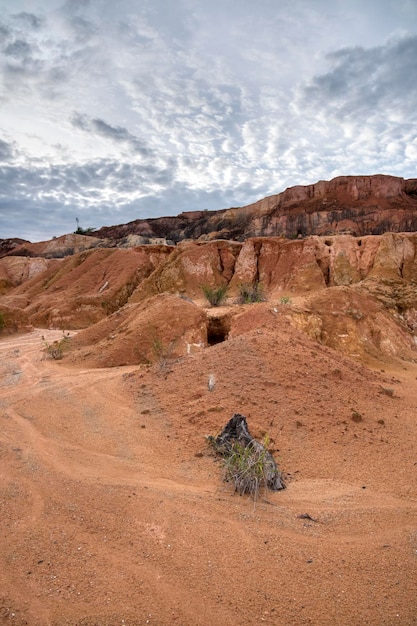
x=163 y=353
x=285 y=300
x=245 y=467
x=215 y=295
x=56 y=349
x=249 y=293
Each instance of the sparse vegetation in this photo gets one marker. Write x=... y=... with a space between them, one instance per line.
x=250 y=292
x=83 y=231
x=163 y=353
x=285 y=300
x=248 y=464
x=56 y=349
x=215 y=295
x=245 y=467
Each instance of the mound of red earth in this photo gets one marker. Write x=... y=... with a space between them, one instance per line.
x=83 y=288
x=161 y=329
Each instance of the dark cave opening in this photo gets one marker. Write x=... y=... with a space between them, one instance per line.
x=218 y=329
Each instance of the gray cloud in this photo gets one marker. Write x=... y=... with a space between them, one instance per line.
x=4 y=33
x=29 y=19
x=88 y=184
x=7 y=152
x=113 y=133
x=83 y=29
x=363 y=80
x=18 y=48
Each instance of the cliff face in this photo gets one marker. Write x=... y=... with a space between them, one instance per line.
x=285 y=267
x=368 y=205
x=356 y=294
x=360 y=205
x=85 y=287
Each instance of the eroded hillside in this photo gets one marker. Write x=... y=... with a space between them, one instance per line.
x=340 y=290
x=361 y=205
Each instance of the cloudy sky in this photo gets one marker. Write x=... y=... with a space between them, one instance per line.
x=113 y=111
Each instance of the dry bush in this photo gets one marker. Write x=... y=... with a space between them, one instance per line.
x=245 y=467
x=248 y=464
x=56 y=349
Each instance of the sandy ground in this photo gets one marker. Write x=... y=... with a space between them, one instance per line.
x=114 y=511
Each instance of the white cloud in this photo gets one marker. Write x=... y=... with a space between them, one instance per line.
x=161 y=107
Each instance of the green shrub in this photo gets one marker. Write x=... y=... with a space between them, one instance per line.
x=246 y=466
x=83 y=231
x=250 y=292
x=285 y=300
x=215 y=295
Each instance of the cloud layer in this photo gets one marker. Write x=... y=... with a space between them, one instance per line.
x=114 y=111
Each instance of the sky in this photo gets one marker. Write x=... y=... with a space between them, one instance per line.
x=115 y=111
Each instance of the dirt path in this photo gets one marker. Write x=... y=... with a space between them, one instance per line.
x=114 y=512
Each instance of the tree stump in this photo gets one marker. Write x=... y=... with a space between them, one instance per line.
x=248 y=463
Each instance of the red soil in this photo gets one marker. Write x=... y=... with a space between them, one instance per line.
x=114 y=510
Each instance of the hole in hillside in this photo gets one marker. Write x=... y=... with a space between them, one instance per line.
x=359 y=242
x=218 y=329
x=328 y=242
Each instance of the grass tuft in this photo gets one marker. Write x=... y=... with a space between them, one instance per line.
x=215 y=295
x=245 y=468
x=249 y=293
